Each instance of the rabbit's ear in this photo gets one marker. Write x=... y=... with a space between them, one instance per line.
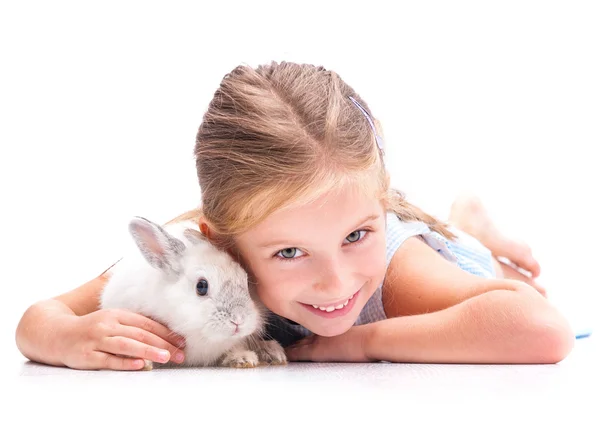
x=159 y=248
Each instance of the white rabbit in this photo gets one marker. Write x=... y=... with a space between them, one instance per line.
x=176 y=276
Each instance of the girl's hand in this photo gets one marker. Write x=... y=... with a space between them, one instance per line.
x=347 y=347
x=116 y=340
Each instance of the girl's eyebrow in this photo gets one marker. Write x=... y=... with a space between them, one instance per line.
x=279 y=242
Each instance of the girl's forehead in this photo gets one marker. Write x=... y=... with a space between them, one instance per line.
x=341 y=207
x=365 y=191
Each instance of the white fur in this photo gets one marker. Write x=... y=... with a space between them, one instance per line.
x=171 y=299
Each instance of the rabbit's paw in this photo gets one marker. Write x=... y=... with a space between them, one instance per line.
x=240 y=358
x=270 y=352
x=148 y=365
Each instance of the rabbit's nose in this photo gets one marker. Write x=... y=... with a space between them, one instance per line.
x=237 y=323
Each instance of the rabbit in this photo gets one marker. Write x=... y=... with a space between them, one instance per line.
x=177 y=277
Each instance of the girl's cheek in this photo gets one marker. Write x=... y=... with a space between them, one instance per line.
x=374 y=263
x=272 y=300
x=276 y=289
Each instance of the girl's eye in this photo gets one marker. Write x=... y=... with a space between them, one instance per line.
x=288 y=253
x=356 y=236
x=202 y=287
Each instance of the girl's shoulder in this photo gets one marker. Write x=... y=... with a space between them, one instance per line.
x=465 y=251
x=428 y=272
x=398 y=231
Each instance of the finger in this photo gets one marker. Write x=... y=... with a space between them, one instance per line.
x=299 y=352
x=150 y=339
x=514 y=274
x=295 y=354
x=539 y=288
x=304 y=341
x=136 y=320
x=109 y=361
x=123 y=346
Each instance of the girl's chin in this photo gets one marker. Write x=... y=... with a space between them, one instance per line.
x=329 y=333
x=331 y=329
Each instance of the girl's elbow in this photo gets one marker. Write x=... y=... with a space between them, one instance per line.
x=535 y=332
x=553 y=339
x=550 y=336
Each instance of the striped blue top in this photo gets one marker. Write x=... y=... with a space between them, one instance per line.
x=466 y=252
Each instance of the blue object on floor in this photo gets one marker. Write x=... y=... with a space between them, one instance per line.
x=583 y=333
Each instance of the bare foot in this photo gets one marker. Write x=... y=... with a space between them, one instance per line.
x=468 y=214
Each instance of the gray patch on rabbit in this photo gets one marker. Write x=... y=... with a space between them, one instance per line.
x=194 y=236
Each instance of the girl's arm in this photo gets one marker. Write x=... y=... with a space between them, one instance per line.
x=438 y=313
x=500 y=326
x=37 y=334
x=460 y=317
x=69 y=330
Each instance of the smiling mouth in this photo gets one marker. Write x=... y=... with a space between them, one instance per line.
x=333 y=310
x=331 y=307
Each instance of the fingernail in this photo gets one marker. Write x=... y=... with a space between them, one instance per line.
x=179 y=357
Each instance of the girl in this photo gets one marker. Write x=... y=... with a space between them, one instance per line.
x=291 y=168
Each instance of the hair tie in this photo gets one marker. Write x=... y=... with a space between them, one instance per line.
x=378 y=138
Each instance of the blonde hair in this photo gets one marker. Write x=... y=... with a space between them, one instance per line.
x=282 y=135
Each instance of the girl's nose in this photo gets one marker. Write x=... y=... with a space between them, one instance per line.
x=330 y=277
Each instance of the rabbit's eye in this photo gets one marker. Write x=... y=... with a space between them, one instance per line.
x=202 y=287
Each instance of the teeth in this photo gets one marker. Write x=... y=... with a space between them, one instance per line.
x=332 y=308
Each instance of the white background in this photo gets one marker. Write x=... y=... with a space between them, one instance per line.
x=100 y=103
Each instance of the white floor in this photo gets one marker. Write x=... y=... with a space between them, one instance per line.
x=312 y=400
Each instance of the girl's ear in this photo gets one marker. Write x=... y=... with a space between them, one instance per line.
x=204 y=229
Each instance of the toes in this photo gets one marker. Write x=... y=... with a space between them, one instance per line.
x=534 y=267
x=525 y=260
x=520 y=254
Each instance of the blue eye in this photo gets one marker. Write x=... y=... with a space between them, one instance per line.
x=292 y=254
x=356 y=236
x=288 y=253
x=202 y=287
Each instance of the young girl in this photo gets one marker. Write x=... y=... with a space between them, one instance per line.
x=294 y=185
